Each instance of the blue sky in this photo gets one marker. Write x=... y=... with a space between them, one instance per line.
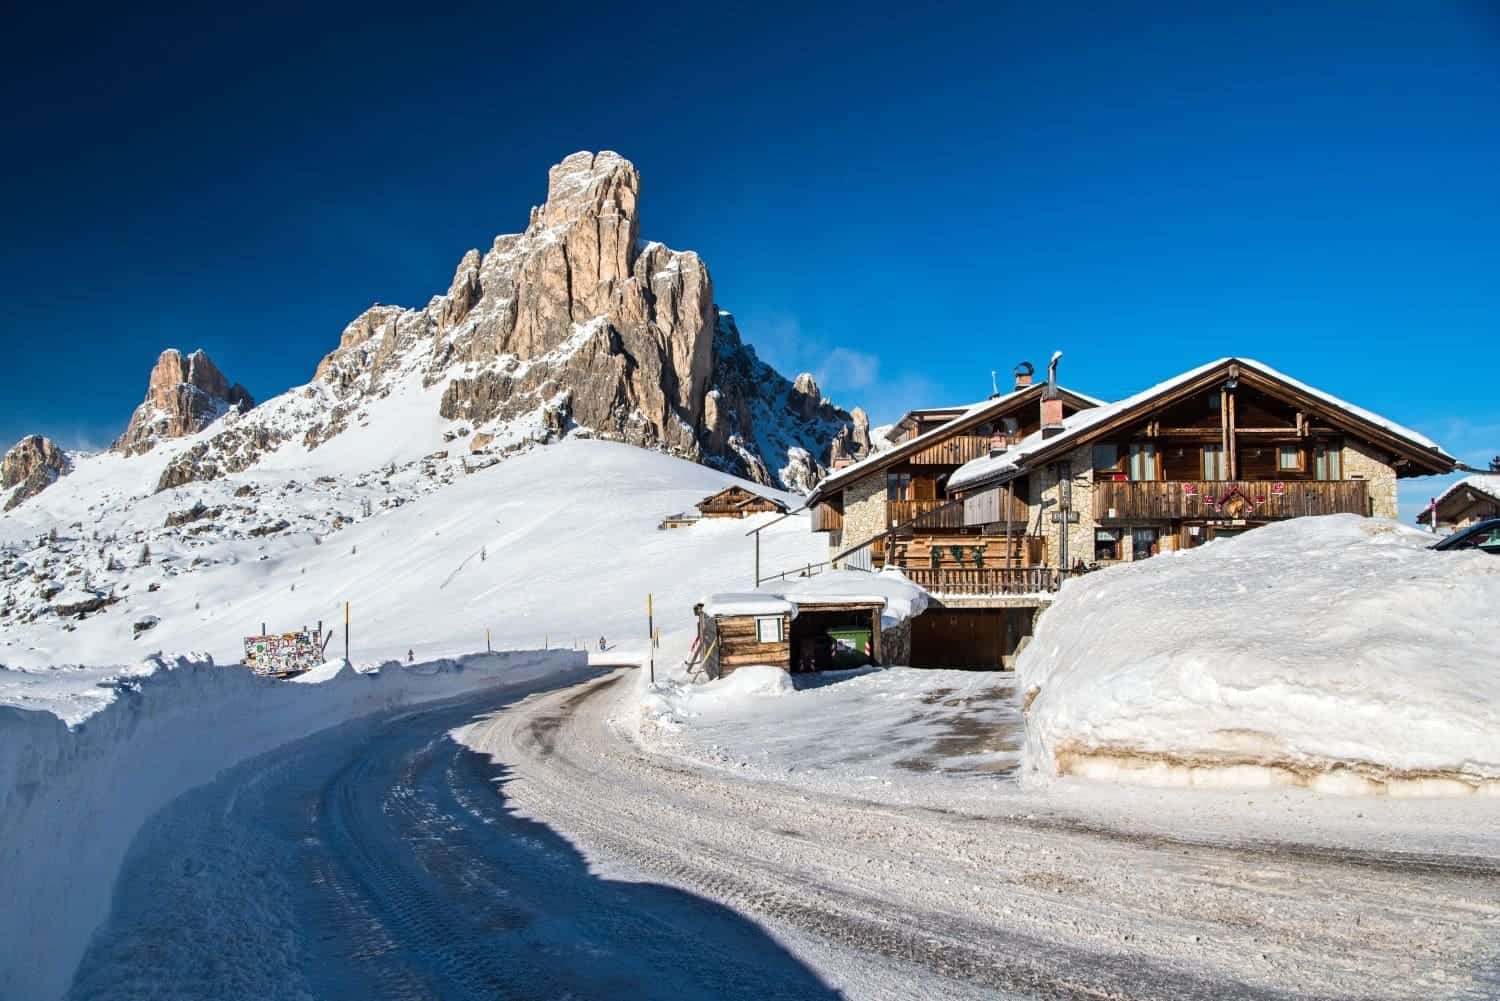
x=900 y=200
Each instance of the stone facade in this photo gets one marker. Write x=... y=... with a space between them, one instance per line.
x=1045 y=497
x=1363 y=461
x=864 y=513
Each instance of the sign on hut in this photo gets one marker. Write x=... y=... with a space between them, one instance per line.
x=737 y=502
x=281 y=655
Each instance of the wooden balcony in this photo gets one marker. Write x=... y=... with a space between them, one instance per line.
x=953 y=452
x=899 y=512
x=1217 y=499
x=826 y=518
x=986 y=581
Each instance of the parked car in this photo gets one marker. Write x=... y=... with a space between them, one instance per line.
x=1482 y=535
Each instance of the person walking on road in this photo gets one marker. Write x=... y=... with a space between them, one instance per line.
x=601 y=643
x=409 y=656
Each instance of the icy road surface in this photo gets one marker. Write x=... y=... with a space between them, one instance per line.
x=521 y=845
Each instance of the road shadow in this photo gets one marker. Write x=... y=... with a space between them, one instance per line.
x=382 y=859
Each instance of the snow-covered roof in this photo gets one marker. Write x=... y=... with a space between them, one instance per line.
x=876 y=460
x=747 y=603
x=1014 y=460
x=1484 y=483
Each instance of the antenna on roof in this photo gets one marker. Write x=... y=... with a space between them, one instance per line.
x=994 y=385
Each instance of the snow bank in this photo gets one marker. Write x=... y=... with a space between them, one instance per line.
x=676 y=700
x=1335 y=653
x=72 y=798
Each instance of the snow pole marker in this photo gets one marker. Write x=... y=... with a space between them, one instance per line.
x=487 y=648
x=346 y=630
x=650 y=629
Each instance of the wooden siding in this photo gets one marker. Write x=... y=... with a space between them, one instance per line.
x=954 y=451
x=988 y=507
x=826 y=518
x=899 y=512
x=739 y=647
x=1171 y=499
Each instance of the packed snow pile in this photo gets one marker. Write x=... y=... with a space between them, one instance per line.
x=902 y=598
x=1336 y=653
x=71 y=798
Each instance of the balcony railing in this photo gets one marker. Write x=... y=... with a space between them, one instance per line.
x=899 y=512
x=954 y=451
x=986 y=581
x=1249 y=499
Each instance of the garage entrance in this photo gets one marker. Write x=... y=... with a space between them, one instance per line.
x=835 y=636
x=979 y=638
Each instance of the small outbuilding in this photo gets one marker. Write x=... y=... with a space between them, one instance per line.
x=802 y=634
x=1471 y=499
x=737 y=502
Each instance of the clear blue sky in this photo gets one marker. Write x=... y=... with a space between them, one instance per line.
x=899 y=202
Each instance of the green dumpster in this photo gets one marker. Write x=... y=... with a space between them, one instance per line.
x=851 y=646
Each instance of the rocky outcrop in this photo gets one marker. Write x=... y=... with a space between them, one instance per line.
x=852 y=443
x=184 y=395
x=573 y=326
x=33 y=464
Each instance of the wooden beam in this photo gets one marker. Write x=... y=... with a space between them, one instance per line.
x=1234 y=459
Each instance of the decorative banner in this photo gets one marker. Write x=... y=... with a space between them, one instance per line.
x=1278 y=488
x=280 y=654
x=1190 y=489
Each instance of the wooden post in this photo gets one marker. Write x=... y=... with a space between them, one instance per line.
x=346 y=630
x=651 y=615
x=487 y=647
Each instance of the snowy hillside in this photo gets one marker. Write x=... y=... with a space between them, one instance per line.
x=552 y=545
x=1337 y=653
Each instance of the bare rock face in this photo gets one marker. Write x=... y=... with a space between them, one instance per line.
x=572 y=326
x=184 y=396
x=33 y=464
x=852 y=442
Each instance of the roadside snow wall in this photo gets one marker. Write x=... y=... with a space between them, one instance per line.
x=73 y=798
x=1335 y=653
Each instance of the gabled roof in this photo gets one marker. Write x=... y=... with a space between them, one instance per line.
x=1087 y=425
x=750 y=496
x=972 y=417
x=1487 y=484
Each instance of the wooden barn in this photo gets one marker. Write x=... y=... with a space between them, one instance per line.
x=805 y=634
x=737 y=502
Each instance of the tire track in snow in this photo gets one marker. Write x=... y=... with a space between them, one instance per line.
x=1053 y=910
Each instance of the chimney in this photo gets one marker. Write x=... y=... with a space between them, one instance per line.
x=1023 y=374
x=1052 y=408
x=999 y=442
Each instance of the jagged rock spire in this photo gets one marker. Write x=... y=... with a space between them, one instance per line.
x=184 y=395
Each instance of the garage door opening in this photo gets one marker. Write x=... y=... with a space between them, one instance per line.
x=835 y=639
x=982 y=639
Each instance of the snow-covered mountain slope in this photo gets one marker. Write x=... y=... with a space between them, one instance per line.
x=553 y=545
x=1338 y=653
x=571 y=328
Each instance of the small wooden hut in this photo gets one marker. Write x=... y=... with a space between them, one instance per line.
x=737 y=502
x=795 y=634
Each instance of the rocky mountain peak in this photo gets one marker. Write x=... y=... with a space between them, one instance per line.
x=572 y=327
x=184 y=395
x=33 y=464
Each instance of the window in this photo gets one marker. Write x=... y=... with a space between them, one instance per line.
x=1328 y=461
x=1109 y=463
x=1143 y=461
x=1214 y=467
x=768 y=629
x=898 y=486
x=1106 y=544
x=1142 y=543
x=1288 y=459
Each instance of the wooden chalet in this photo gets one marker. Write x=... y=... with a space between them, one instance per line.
x=1471 y=499
x=737 y=502
x=996 y=507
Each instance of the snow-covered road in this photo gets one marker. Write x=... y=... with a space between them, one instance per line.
x=386 y=858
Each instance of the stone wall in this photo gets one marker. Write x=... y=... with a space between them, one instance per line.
x=864 y=513
x=895 y=643
x=1044 y=500
x=1366 y=462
